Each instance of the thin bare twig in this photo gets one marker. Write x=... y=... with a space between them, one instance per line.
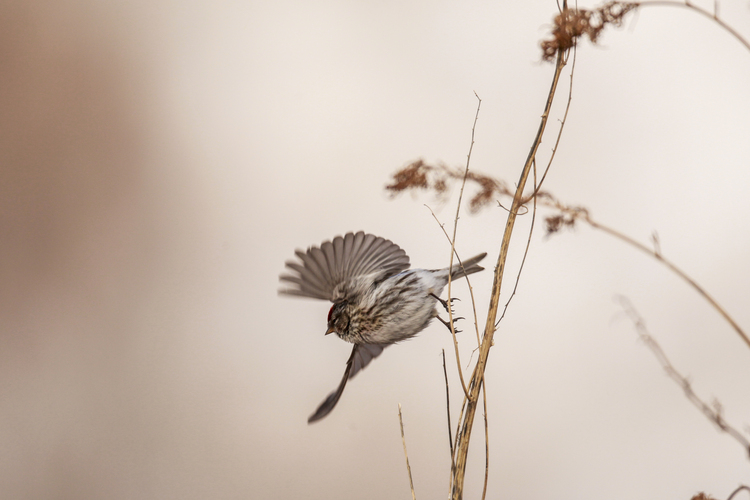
x=537 y=186
x=448 y=410
x=455 y=225
x=523 y=260
x=656 y=253
x=468 y=283
x=456 y=440
x=563 y=121
x=450 y=315
x=711 y=412
x=713 y=16
x=489 y=331
x=486 y=441
x=453 y=252
x=739 y=488
x=452 y=241
x=403 y=439
x=569 y=215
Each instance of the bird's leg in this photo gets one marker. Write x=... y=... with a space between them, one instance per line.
x=449 y=309
x=448 y=325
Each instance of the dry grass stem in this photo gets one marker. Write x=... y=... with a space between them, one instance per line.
x=455 y=225
x=403 y=440
x=739 y=488
x=714 y=16
x=486 y=441
x=448 y=409
x=568 y=216
x=468 y=280
x=477 y=378
x=415 y=176
x=450 y=318
x=713 y=412
x=563 y=121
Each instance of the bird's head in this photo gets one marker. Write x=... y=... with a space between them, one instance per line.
x=338 y=318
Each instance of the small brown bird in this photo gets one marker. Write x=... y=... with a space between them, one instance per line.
x=377 y=299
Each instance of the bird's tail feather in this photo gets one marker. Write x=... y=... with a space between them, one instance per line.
x=467 y=267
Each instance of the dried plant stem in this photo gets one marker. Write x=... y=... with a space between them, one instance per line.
x=403 y=440
x=450 y=316
x=739 y=488
x=453 y=252
x=478 y=375
x=656 y=253
x=463 y=185
x=712 y=412
x=455 y=222
x=448 y=409
x=468 y=283
x=564 y=119
x=572 y=214
x=523 y=260
x=486 y=441
x=453 y=240
x=689 y=5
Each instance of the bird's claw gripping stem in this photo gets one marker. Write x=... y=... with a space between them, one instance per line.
x=448 y=307
x=448 y=325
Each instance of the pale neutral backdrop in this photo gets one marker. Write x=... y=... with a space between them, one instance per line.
x=161 y=160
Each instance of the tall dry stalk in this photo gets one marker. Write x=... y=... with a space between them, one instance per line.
x=477 y=377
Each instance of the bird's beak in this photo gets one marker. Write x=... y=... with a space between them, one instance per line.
x=330 y=330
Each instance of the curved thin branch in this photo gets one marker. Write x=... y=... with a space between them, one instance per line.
x=689 y=5
x=711 y=412
x=403 y=440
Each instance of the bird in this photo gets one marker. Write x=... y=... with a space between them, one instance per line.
x=377 y=299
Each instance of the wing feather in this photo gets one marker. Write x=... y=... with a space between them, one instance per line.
x=312 y=269
x=361 y=356
x=320 y=270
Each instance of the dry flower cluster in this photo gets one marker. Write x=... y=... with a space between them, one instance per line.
x=420 y=175
x=571 y=24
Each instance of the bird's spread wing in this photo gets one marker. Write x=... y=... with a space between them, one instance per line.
x=361 y=356
x=322 y=269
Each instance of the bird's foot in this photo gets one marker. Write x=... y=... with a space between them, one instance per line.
x=448 y=324
x=448 y=305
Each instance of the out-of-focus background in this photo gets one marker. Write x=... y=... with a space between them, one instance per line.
x=159 y=161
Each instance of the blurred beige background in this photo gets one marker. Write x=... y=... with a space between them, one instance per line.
x=161 y=160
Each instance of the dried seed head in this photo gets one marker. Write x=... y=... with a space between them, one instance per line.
x=572 y=24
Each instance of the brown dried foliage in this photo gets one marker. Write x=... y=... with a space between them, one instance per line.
x=412 y=176
x=571 y=24
x=557 y=222
x=421 y=175
x=438 y=178
x=702 y=496
x=566 y=217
